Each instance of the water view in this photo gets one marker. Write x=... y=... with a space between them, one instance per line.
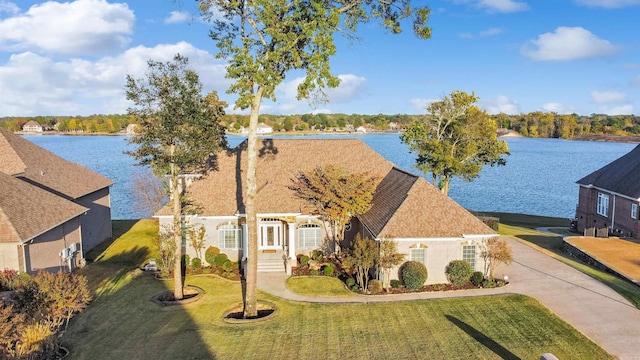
x=539 y=178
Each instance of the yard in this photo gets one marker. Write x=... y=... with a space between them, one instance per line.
x=122 y=322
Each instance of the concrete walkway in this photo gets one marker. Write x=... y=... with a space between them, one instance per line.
x=588 y=305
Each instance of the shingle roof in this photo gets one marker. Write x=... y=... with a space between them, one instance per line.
x=405 y=205
x=621 y=175
x=27 y=210
x=45 y=169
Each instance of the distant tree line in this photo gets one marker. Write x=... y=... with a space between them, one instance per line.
x=534 y=124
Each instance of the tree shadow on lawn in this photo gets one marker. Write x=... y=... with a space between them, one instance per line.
x=483 y=339
x=122 y=322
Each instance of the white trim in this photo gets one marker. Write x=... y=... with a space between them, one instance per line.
x=463 y=237
x=609 y=191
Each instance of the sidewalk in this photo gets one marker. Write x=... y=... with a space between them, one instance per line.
x=591 y=307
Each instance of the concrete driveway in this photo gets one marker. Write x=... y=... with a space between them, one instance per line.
x=589 y=306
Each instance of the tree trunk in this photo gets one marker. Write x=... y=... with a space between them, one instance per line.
x=177 y=229
x=445 y=184
x=251 y=300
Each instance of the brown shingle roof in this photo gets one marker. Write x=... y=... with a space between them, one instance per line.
x=621 y=175
x=405 y=205
x=27 y=211
x=281 y=159
x=45 y=169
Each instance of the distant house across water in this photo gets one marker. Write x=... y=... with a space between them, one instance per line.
x=33 y=126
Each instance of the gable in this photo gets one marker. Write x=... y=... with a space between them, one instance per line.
x=27 y=211
x=46 y=170
x=621 y=176
x=420 y=211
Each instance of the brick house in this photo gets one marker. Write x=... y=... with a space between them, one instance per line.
x=51 y=210
x=427 y=225
x=608 y=198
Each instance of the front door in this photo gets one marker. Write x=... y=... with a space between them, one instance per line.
x=271 y=236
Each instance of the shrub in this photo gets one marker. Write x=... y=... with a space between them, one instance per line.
x=206 y=270
x=221 y=259
x=396 y=284
x=226 y=266
x=477 y=278
x=317 y=255
x=7 y=279
x=490 y=221
x=328 y=270
x=489 y=284
x=313 y=272
x=413 y=274
x=304 y=260
x=350 y=282
x=210 y=255
x=375 y=286
x=196 y=263
x=459 y=272
x=438 y=287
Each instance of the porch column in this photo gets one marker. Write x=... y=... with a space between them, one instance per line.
x=292 y=247
x=245 y=242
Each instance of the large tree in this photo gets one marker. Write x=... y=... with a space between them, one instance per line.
x=455 y=139
x=336 y=195
x=180 y=132
x=263 y=40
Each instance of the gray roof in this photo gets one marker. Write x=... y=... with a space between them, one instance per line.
x=621 y=176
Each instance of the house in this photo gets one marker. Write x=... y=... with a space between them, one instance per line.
x=428 y=226
x=608 y=198
x=361 y=129
x=264 y=129
x=32 y=126
x=47 y=185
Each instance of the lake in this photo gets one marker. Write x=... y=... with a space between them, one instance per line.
x=539 y=178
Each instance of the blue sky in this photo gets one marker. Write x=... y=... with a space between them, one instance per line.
x=518 y=56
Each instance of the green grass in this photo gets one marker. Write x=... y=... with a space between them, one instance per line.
x=522 y=228
x=318 y=286
x=122 y=323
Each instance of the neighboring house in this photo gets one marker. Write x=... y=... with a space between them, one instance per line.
x=131 y=129
x=32 y=126
x=30 y=164
x=361 y=129
x=260 y=130
x=428 y=226
x=608 y=198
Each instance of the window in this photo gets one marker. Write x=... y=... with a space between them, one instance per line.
x=419 y=255
x=309 y=236
x=634 y=211
x=603 y=204
x=469 y=255
x=230 y=237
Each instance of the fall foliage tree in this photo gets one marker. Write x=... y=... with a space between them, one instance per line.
x=495 y=251
x=388 y=259
x=336 y=195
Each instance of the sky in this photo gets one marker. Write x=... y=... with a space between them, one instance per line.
x=71 y=58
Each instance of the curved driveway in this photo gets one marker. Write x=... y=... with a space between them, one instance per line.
x=588 y=305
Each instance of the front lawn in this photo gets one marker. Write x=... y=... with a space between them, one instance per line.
x=318 y=286
x=122 y=323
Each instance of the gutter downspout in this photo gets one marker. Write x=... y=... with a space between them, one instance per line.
x=613 y=213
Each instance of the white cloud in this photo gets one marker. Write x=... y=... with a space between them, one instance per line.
x=568 y=43
x=484 y=33
x=177 y=17
x=8 y=7
x=501 y=104
x=499 y=6
x=32 y=84
x=79 y=27
x=350 y=88
x=421 y=104
x=601 y=97
x=558 y=108
x=608 y=4
x=617 y=110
